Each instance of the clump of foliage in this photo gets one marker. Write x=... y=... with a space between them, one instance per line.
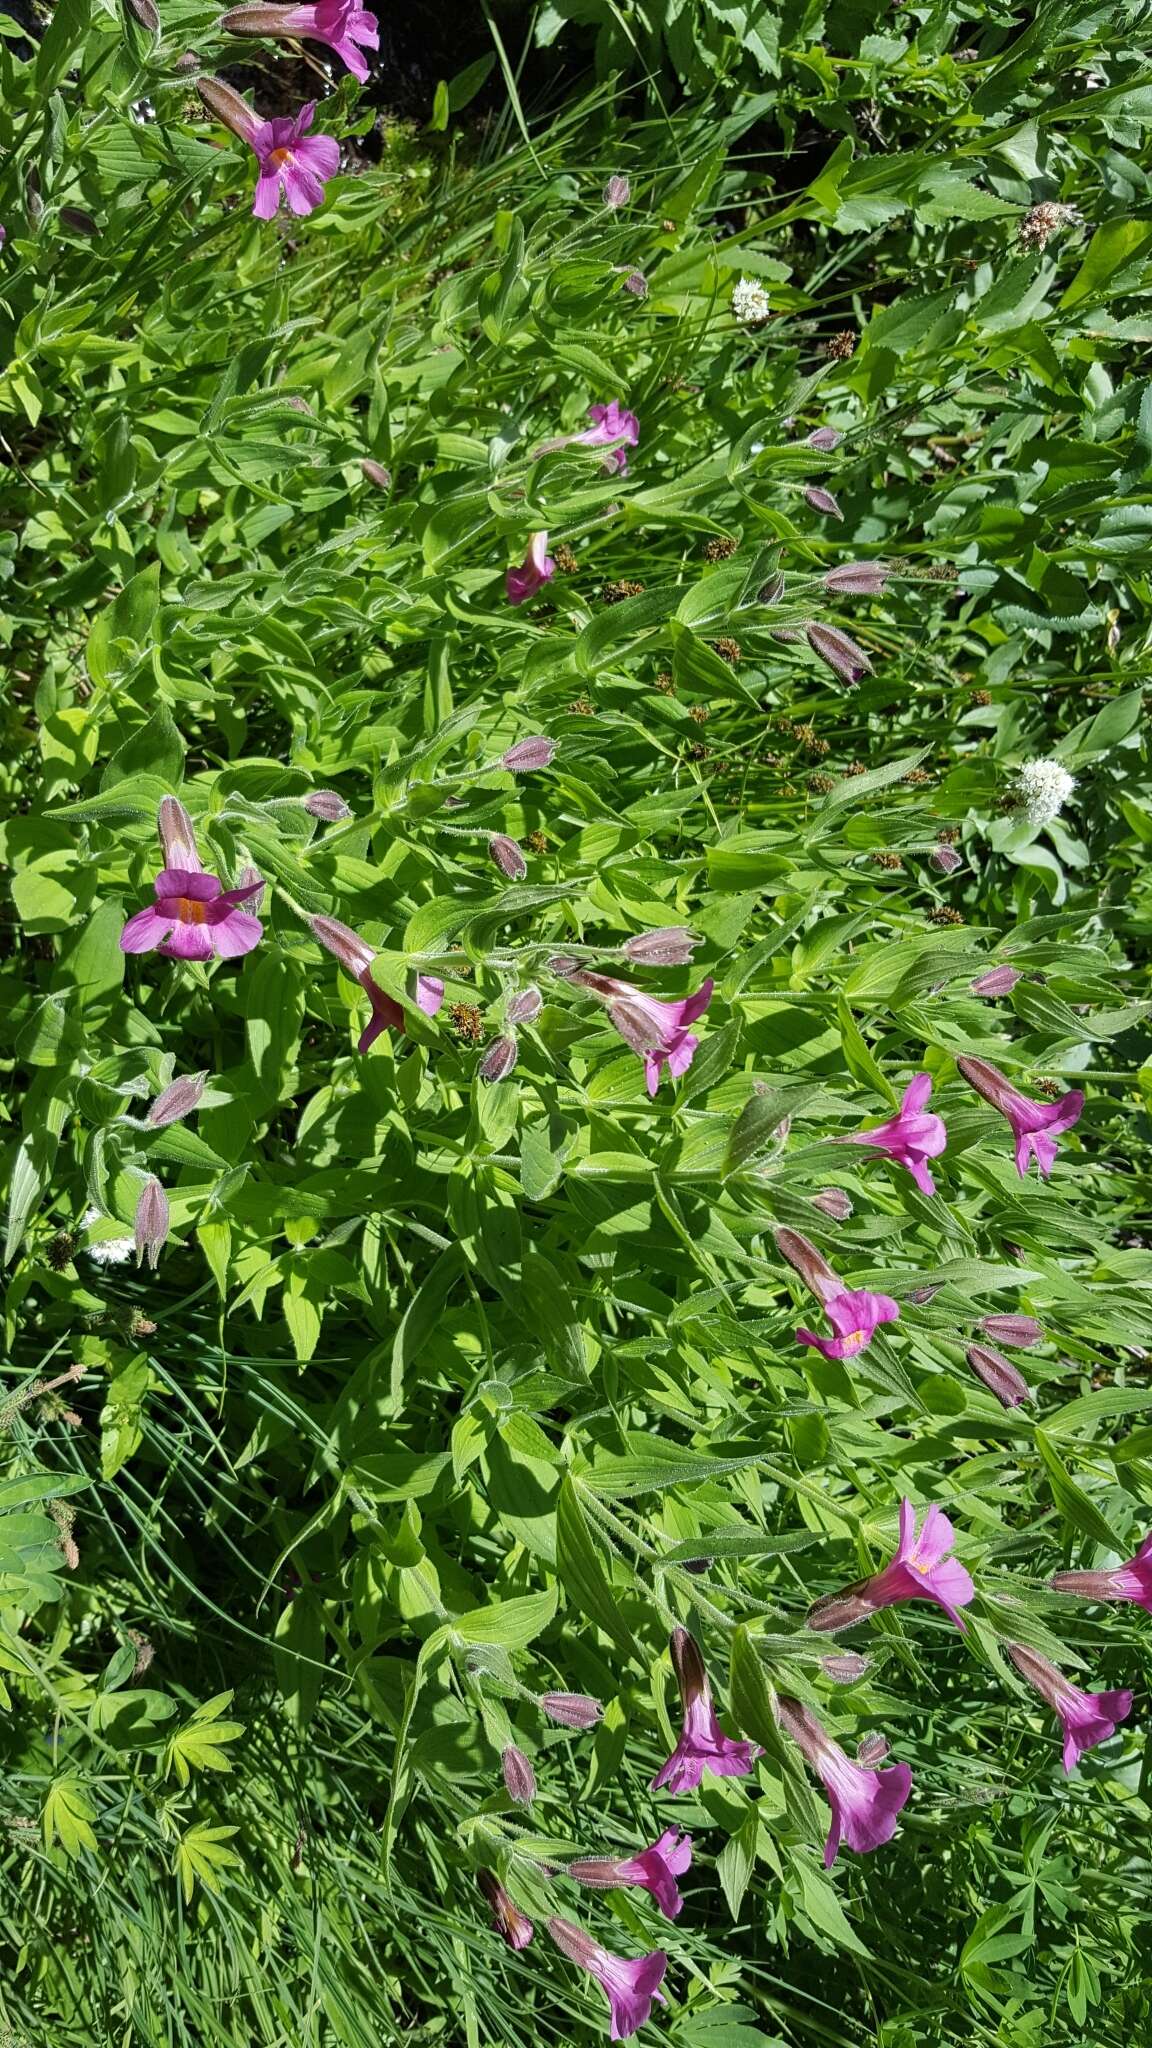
x=596 y=557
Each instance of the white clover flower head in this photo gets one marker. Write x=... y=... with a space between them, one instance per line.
x=1042 y=790
x=750 y=303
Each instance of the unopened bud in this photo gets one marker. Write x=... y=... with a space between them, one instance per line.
x=176 y=1101
x=771 y=592
x=845 y=1668
x=945 y=859
x=228 y=107
x=839 y=1610
x=617 y=192
x=871 y=1750
x=376 y=473
x=177 y=836
x=818 y=1276
x=151 y=1222
x=669 y=946
x=327 y=804
x=833 y=1202
x=825 y=439
x=637 y=284
x=536 y=752
x=507 y=1918
x=526 y=1007
x=571 y=1709
x=146 y=15
x=1019 y=1331
x=248 y=877
x=999 y=1375
x=822 y=501
x=919 y=1295
x=519 y=1777
x=499 y=1060
x=999 y=981
x=563 y=965
x=507 y=856
x=840 y=653
x=81 y=223
x=857 y=579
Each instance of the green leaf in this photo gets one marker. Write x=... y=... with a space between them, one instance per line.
x=201 y=1856
x=1071 y=1500
x=67 y=1816
x=582 y=1571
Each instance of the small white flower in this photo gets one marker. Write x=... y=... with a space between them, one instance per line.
x=750 y=302
x=107 y=1251
x=1042 y=790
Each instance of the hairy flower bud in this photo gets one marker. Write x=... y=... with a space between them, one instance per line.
x=818 y=1276
x=999 y=981
x=840 y=653
x=636 y=283
x=499 y=1060
x=571 y=1709
x=376 y=473
x=871 y=1749
x=617 y=192
x=526 y=1007
x=151 y=1222
x=177 y=836
x=999 y=1375
x=81 y=223
x=669 y=946
x=845 y=1668
x=146 y=14
x=1020 y=1331
x=536 y=752
x=507 y=1918
x=176 y=1101
x=230 y=110
x=519 y=1777
x=822 y=501
x=857 y=579
x=840 y=1610
x=327 y=804
x=945 y=859
x=825 y=439
x=833 y=1202
x=507 y=856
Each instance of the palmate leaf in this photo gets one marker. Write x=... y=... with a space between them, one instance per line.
x=202 y=1857
x=67 y=1816
x=199 y=1744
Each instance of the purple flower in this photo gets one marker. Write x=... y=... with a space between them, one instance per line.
x=822 y=501
x=342 y=24
x=572 y=1709
x=999 y=981
x=838 y=650
x=912 y=1138
x=656 y=1869
x=866 y=1805
x=999 y=1375
x=535 y=752
x=630 y=1986
x=177 y=1101
x=1131 y=1581
x=151 y=1222
x=1087 y=1718
x=1019 y=1331
x=293 y=164
x=194 y=918
x=507 y=1918
x=534 y=572
x=857 y=579
x=519 y=1777
x=356 y=956
x=612 y=426
x=703 y=1745
x=1035 y=1125
x=657 y=1031
x=921 y=1570
x=854 y=1315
